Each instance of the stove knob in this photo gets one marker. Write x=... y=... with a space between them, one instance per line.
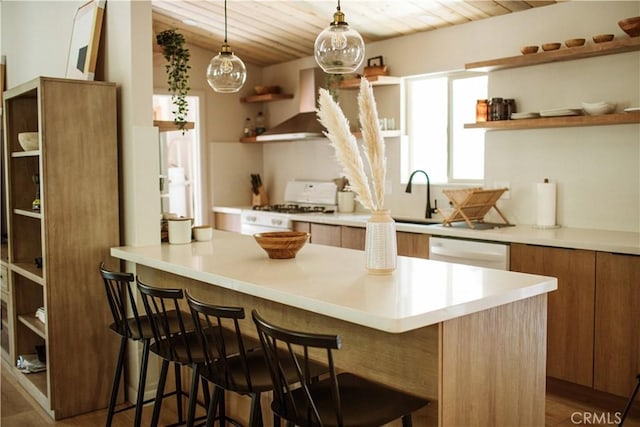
x=276 y=221
x=251 y=218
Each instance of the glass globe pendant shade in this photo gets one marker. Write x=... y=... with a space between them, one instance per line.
x=339 y=49
x=226 y=72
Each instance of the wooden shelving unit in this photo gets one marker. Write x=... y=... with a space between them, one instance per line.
x=563 y=54
x=558 y=122
x=589 y=50
x=374 y=80
x=72 y=232
x=170 y=125
x=267 y=97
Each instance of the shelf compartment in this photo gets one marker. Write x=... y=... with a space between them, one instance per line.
x=267 y=97
x=557 y=122
x=374 y=80
x=587 y=51
x=31 y=322
x=29 y=271
x=36 y=385
x=28 y=212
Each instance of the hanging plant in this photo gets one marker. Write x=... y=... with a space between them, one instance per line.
x=177 y=68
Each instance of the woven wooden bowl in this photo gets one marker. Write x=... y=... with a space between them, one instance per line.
x=631 y=26
x=602 y=38
x=574 y=42
x=527 y=50
x=551 y=46
x=281 y=244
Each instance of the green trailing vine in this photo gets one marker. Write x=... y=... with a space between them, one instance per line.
x=177 y=68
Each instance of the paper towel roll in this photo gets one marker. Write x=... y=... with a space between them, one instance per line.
x=546 y=204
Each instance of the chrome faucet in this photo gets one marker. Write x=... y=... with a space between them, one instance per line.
x=429 y=211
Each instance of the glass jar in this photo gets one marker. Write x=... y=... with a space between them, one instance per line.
x=481 y=110
x=497 y=109
x=509 y=108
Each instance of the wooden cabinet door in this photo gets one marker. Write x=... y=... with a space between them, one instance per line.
x=617 y=332
x=413 y=244
x=227 y=221
x=352 y=237
x=570 y=319
x=302 y=226
x=323 y=234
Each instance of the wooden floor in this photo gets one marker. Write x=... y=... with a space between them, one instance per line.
x=17 y=409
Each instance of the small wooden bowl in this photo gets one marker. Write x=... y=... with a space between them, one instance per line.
x=282 y=244
x=602 y=38
x=574 y=42
x=551 y=46
x=527 y=50
x=631 y=26
x=263 y=90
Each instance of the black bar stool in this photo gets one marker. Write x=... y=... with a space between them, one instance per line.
x=344 y=400
x=234 y=362
x=135 y=328
x=630 y=402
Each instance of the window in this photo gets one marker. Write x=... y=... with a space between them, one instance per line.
x=438 y=106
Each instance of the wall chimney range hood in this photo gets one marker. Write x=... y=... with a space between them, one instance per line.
x=303 y=125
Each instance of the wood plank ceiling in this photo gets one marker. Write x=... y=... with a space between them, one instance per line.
x=267 y=32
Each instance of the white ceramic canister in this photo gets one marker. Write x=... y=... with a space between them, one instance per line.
x=202 y=233
x=179 y=230
x=346 y=201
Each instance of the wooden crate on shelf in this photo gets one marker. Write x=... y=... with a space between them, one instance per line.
x=472 y=204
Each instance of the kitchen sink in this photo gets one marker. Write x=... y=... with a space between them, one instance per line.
x=418 y=221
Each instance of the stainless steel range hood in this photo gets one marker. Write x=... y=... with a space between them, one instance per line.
x=303 y=125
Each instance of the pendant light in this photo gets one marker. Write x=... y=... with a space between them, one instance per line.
x=339 y=49
x=226 y=72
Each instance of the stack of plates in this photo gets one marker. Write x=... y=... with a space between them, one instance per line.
x=632 y=110
x=517 y=116
x=561 y=112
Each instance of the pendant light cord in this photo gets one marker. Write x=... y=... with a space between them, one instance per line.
x=338 y=5
x=225 y=20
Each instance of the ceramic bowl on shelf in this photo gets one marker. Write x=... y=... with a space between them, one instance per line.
x=526 y=50
x=551 y=46
x=574 y=42
x=263 y=90
x=602 y=38
x=28 y=141
x=631 y=26
x=598 y=108
x=281 y=244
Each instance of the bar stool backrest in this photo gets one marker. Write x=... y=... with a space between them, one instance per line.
x=220 y=348
x=119 y=295
x=162 y=306
x=297 y=346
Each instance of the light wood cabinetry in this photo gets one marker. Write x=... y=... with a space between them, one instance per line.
x=413 y=244
x=570 y=321
x=324 y=234
x=77 y=166
x=409 y=244
x=617 y=319
x=588 y=51
x=226 y=221
x=352 y=237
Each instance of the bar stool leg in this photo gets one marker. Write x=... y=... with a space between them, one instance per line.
x=193 y=395
x=116 y=380
x=142 y=382
x=630 y=402
x=159 y=393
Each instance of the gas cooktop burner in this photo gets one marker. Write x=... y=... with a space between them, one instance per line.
x=293 y=208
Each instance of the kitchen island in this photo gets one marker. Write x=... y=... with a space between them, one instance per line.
x=471 y=340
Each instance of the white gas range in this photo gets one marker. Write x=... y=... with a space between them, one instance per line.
x=300 y=197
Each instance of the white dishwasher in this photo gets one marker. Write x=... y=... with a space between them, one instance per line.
x=470 y=252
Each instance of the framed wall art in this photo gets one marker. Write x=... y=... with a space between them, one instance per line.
x=85 y=39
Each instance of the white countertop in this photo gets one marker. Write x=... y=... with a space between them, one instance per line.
x=334 y=282
x=623 y=242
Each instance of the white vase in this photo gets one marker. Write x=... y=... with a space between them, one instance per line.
x=380 y=248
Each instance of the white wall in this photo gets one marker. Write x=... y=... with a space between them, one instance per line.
x=596 y=168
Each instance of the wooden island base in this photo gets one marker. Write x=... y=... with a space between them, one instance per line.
x=482 y=369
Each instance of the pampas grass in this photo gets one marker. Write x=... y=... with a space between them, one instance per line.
x=330 y=115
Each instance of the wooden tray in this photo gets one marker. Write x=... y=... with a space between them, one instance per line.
x=472 y=204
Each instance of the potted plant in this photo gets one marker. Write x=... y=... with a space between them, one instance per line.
x=177 y=56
